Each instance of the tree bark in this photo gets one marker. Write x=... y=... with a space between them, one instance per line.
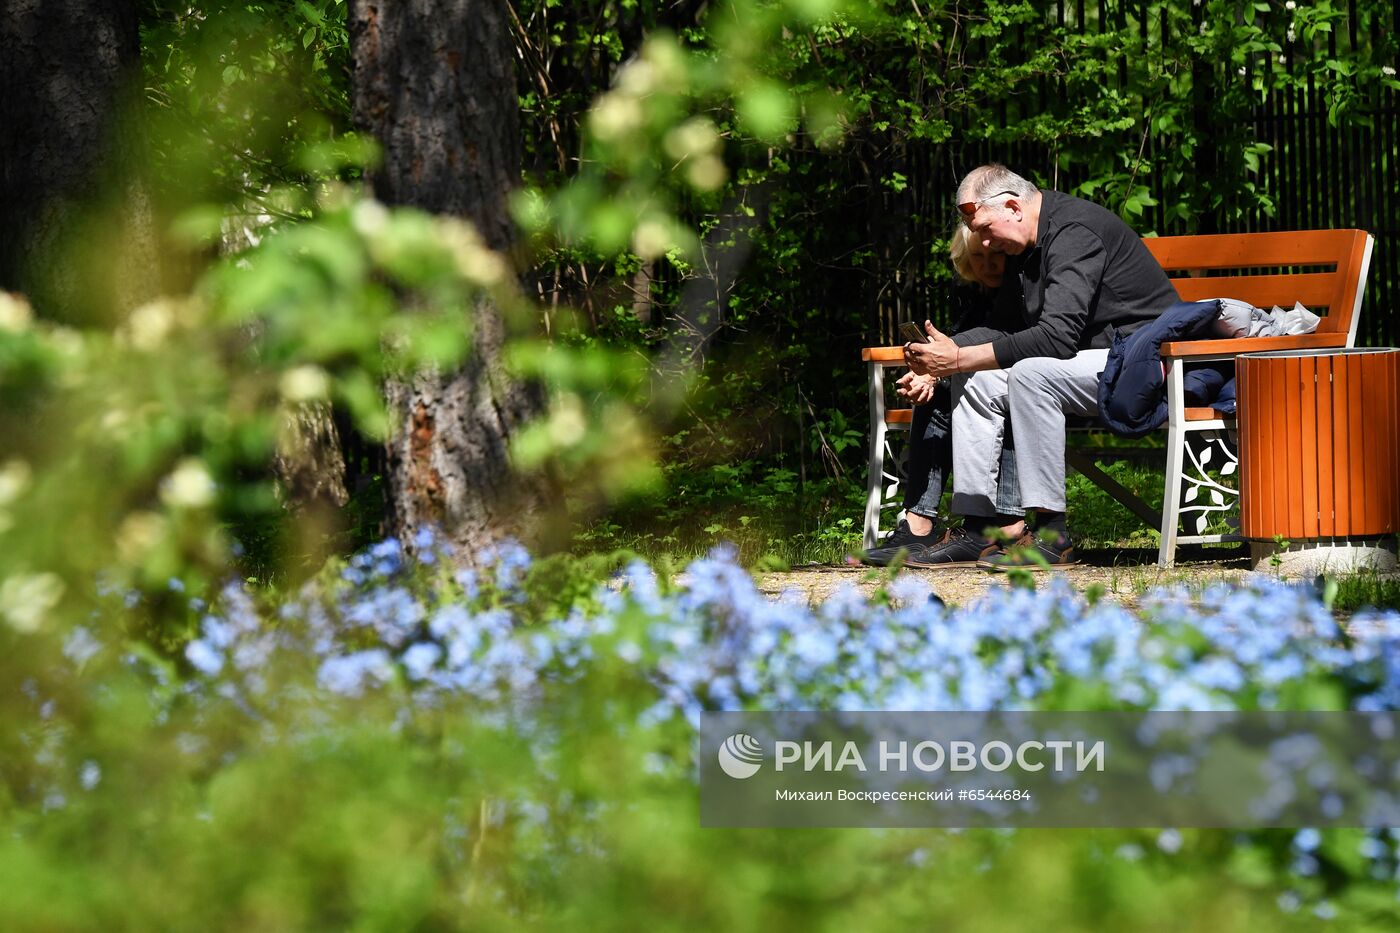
x=434 y=82
x=71 y=75
x=309 y=461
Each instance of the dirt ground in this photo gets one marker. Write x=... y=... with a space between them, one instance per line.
x=1124 y=575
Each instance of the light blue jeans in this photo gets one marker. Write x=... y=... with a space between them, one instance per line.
x=930 y=460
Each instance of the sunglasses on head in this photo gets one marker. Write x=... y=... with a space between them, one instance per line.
x=968 y=209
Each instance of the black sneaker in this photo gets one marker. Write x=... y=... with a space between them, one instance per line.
x=901 y=539
x=1028 y=552
x=957 y=548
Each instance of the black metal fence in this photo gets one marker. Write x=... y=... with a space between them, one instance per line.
x=1319 y=175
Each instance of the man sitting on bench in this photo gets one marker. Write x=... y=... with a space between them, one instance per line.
x=975 y=301
x=1085 y=277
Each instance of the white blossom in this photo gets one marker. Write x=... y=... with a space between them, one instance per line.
x=304 y=384
x=615 y=115
x=151 y=323
x=567 y=422
x=139 y=534
x=26 y=598
x=369 y=218
x=188 y=486
x=14 y=480
x=707 y=172
x=651 y=239
x=15 y=313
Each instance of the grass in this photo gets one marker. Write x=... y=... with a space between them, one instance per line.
x=775 y=521
x=1366 y=589
x=772 y=518
x=1097 y=520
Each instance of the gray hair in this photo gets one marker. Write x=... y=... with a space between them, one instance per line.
x=986 y=180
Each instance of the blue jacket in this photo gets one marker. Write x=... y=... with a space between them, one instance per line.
x=1133 y=387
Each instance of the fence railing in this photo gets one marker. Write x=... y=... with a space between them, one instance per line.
x=1318 y=174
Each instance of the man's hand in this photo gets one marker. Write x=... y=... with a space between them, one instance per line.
x=916 y=388
x=938 y=357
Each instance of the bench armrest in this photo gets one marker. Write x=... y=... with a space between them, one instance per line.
x=1183 y=349
x=1206 y=349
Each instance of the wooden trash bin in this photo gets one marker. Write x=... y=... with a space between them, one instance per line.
x=1320 y=450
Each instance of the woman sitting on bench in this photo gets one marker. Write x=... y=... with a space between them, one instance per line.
x=975 y=301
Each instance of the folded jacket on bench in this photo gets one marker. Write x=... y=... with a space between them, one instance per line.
x=1133 y=387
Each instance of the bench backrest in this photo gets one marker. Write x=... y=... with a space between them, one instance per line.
x=1324 y=269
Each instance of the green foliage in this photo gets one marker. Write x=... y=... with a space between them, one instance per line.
x=131 y=449
x=244 y=98
x=1367 y=589
x=774 y=520
x=1148 y=110
x=758 y=137
x=761 y=132
x=591 y=435
x=548 y=791
x=447 y=821
x=1097 y=520
x=666 y=141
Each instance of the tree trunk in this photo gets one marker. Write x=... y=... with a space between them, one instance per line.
x=76 y=233
x=309 y=462
x=434 y=82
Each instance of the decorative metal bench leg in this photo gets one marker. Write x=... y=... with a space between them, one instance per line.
x=1191 y=492
x=1176 y=455
x=875 y=483
x=1205 y=495
x=1171 y=498
x=875 y=469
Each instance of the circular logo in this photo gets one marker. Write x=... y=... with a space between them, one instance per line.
x=740 y=756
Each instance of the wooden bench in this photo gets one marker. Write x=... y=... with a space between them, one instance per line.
x=1325 y=270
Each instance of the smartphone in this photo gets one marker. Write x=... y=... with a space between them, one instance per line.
x=912 y=333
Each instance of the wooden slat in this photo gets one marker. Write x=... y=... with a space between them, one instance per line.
x=1341 y=446
x=1336 y=290
x=1356 y=412
x=1374 y=504
x=1313 y=377
x=1328 y=459
x=1246 y=250
x=1188 y=348
x=1314 y=289
x=1180 y=348
x=1278 y=449
x=1247 y=458
x=1202 y=414
x=1390 y=448
x=1251 y=457
x=1291 y=465
x=899 y=416
x=1392 y=451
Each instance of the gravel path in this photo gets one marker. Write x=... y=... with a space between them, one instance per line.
x=1124 y=576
